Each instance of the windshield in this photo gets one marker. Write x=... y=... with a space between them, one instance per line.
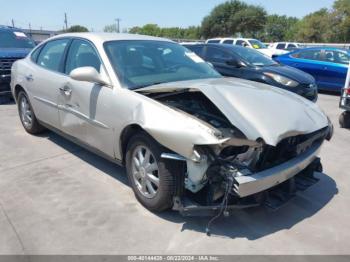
x=10 y=39
x=255 y=58
x=257 y=44
x=141 y=63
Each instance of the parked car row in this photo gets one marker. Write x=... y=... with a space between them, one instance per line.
x=246 y=63
x=327 y=65
x=190 y=139
x=245 y=42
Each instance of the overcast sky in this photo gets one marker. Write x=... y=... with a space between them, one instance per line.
x=49 y=14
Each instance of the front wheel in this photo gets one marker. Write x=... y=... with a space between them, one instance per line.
x=153 y=179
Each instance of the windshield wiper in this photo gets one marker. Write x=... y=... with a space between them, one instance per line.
x=147 y=85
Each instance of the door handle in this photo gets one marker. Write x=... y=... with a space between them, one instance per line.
x=29 y=77
x=67 y=91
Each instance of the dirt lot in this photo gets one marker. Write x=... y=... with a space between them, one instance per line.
x=56 y=198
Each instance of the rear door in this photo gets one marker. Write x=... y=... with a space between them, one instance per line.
x=45 y=78
x=309 y=61
x=84 y=106
x=335 y=65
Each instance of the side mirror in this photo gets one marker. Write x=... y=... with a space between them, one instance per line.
x=88 y=74
x=235 y=63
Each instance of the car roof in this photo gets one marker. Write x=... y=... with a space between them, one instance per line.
x=229 y=47
x=9 y=29
x=106 y=37
x=324 y=48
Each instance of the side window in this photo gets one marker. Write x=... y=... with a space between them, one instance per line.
x=240 y=42
x=35 y=54
x=341 y=57
x=197 y=49
x=213 y=41
x=217 y=55
x=309 y=55
x=230 y=42
x=281 y=46
x=81 y=54
x=52 y=53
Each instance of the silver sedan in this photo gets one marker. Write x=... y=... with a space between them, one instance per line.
x=189 y=138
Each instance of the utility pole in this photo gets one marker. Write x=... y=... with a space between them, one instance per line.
x=66 y=21
x=13 y=22
x=30 y=30
x=117 y=20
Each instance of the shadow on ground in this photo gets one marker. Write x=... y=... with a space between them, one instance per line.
x=251 y=223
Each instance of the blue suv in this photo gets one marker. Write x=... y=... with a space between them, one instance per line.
x=14 y=45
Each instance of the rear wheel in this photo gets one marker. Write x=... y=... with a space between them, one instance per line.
x=344 y=120
x=27 y=116
x=154 y=180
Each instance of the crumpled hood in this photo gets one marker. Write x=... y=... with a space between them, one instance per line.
x=258 y=110
x=14 y=52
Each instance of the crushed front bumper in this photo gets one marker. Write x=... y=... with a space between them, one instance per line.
x=271 y=187
x=258 y=182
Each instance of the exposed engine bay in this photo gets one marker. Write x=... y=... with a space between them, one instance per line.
x=212 y=180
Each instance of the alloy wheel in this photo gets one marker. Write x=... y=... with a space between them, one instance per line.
x=145 y=170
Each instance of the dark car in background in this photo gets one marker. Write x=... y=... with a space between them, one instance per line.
x=327 y=65
x=14 y=45
x=246 y=63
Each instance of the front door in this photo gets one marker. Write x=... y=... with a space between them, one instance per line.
x=81 y=112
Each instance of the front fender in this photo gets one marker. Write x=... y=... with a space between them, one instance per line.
x=172 y=129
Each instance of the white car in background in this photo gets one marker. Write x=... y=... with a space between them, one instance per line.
x=281 y=48
x=246 y=42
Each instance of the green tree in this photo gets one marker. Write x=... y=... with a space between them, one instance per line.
x=234 y=17
x=77 y=29
x=341 y=21
x=278 y=28
x=192 y=32
x=315 y=27
x=110 y=28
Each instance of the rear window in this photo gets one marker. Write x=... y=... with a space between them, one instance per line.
x=309 y=55
x=213 y=41
x=229 y=42
x=281 y=46
x=10 y=39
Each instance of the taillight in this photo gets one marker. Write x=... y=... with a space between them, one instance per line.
x=347 y=91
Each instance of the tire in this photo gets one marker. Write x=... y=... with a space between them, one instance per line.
x=169 y=174
x=344 y=120
x=28 y=119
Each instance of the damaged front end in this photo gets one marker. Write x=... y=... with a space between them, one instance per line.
x=239 y=172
